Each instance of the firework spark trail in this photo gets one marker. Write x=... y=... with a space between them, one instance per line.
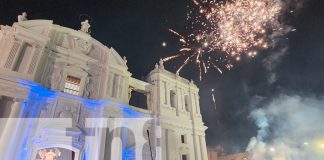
x=185 y=49
x=219 y=70
x=180 y=53
x=200 y=76
x=224 y=32
x=172 y=57
x=213 y=98
x=184 y=64
x=194 y=1
x=205 y=68
x=176 y=33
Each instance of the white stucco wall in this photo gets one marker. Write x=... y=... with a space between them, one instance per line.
x=44 y=54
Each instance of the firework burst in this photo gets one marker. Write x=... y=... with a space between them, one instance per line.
x=223 y=32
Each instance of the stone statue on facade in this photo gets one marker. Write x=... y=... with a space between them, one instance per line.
x=22 y=17
x=156 y=66
x=56 y=78
x=66 y=113
x=125 y=60
x=83 y=45
x=54 y=74
x=90 y=87
x=85 y=26
x=161 y=64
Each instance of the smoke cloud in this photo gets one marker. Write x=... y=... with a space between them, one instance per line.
x=289 y=8
x=290 y=128
x=272 y=61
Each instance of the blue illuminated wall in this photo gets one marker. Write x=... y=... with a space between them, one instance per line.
x=37 y=101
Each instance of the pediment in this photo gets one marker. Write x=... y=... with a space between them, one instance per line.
x=115 y=58
x=37 y=26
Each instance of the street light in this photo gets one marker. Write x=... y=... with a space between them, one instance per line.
x=322 y=145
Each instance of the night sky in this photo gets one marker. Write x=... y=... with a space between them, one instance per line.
x=137 y=29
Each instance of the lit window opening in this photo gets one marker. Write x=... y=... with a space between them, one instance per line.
x=72 y=85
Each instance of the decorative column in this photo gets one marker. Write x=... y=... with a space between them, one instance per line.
x=172 y=144
x=163 y=144
x=117 y=143
x=197 y=146
x=203 y=147
x=181 y=100
x=8 y=140
x=197 y=103
x=154 y=104
x=94 y=140
x=167 y=92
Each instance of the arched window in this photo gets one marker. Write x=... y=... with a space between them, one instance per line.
x=173 y=99
x=187 y=103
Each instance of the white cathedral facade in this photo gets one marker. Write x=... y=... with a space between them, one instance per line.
x=52 y=72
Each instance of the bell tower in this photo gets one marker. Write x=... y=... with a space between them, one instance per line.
x=176 y=103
